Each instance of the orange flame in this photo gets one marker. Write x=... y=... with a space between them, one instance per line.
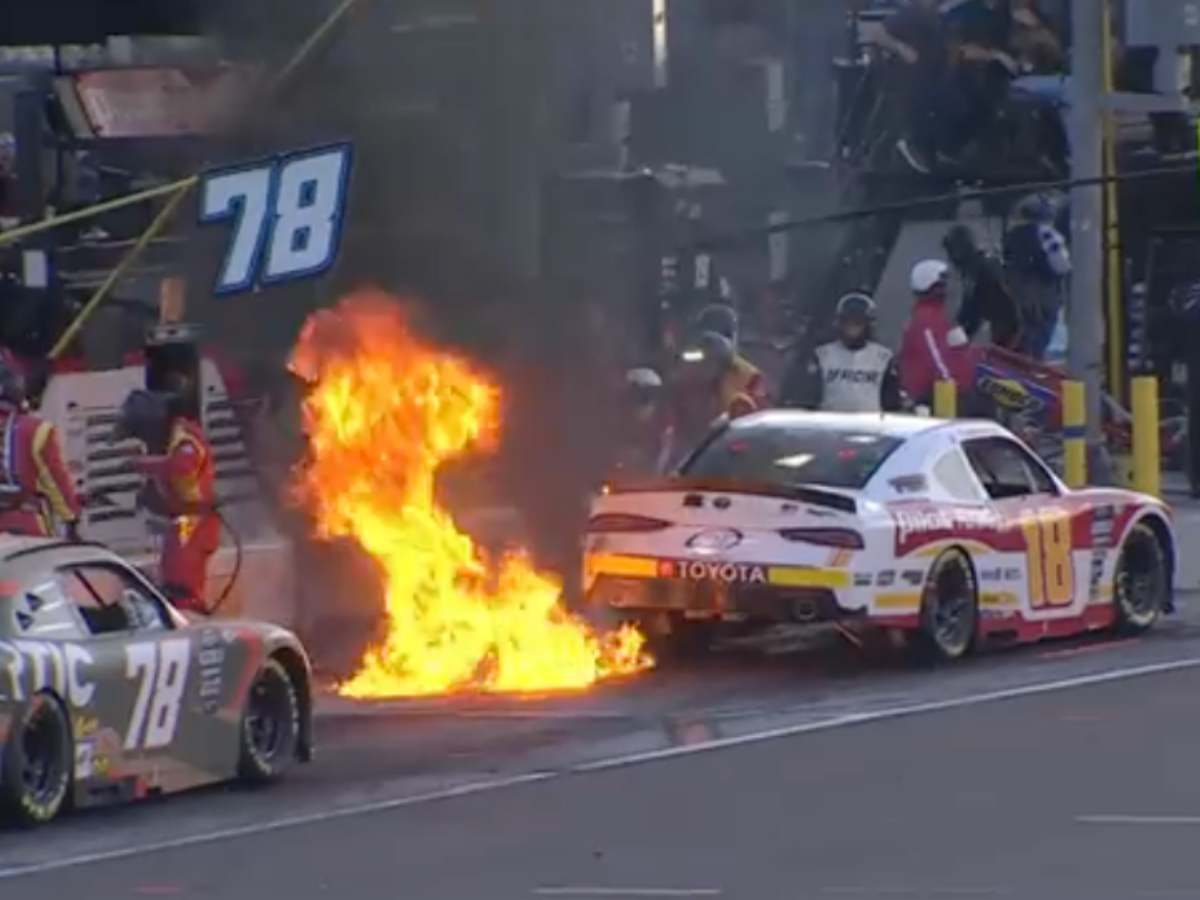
x=385 y=411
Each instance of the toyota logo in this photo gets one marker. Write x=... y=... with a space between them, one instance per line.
x=714 y=541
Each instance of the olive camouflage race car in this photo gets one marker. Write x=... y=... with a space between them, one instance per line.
x=108 y=693
x=953 y=533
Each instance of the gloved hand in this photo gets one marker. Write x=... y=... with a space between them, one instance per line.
x=149 y=498
x=957 y=338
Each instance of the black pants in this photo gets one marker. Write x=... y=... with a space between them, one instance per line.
x=948 y=108
x=924 y=95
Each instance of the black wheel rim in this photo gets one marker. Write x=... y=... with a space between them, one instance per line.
x=1141 y=578
x=43 y=765
x=953 y=614
x=267 y=717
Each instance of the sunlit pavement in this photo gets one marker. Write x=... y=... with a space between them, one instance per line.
x=827 y=774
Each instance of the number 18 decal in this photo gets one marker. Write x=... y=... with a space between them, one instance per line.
x=1048 y=555
x=162 y=669
x=287 y=216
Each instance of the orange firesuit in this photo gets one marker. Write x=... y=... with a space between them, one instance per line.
x=36 y=490
x=185 y=482
x=742 y=388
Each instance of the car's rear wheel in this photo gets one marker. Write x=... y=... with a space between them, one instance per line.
x=35 y=778
x=270 y=726
x=1142 y=587
x=949 y=608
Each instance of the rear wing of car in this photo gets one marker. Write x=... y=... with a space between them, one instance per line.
x=800 y=493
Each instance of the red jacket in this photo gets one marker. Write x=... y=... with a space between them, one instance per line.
x=926 y=355
x=34 y=479
x=186 y=481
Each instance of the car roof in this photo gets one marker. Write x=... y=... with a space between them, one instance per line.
x=16 y=545
x=51 y=551
x=888 y=424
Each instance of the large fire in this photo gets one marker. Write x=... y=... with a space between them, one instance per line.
x=385 y=410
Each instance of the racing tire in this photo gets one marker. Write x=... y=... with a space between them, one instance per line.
x=949 y=609
x=270 y=726
x=1142 y=584
x=37 y=768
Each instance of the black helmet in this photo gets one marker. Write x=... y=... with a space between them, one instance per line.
x=711 y=349
x=12 y=382
x=719 y=319
x=854 y=317
x=856 y=306
x=145 y=415
x=960 y=245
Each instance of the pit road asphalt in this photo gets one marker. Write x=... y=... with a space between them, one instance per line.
x=1062 y=770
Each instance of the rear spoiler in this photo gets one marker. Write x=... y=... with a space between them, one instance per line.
x=802 y=493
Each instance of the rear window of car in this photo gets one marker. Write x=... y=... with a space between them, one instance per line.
x=794 y=456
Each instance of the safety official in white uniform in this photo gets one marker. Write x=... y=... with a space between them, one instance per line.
x=853 y=373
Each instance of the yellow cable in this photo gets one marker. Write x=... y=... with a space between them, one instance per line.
x=23 y=231
x=179 y=188
x=309 y=45
x=122 y=267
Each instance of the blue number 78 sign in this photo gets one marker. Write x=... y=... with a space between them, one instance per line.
x=287 y=216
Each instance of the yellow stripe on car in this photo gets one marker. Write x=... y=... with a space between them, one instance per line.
x=622 y=566
x=788 y=576
x=647 y=567
x=1001 y=600
x=975 y=548
x=903 y=602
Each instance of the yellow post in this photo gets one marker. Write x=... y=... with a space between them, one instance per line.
x=1074 y=430
x=1147 y=475
x=945 y=399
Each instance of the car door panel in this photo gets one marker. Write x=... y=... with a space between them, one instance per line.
x=205 y=743
x=1050 y=525
x=1054 y=564
x=145 y=665
x=56 y=652
x=106 y=766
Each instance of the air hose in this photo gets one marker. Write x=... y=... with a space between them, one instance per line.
x=216 y=510
x=237 y=561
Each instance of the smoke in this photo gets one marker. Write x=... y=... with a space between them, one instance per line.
x=412 y=94
x=440 y=111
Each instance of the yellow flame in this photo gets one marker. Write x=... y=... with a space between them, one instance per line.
x=384 y=412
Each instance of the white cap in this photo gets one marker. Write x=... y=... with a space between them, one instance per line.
x=643 y=378
x=928 y=273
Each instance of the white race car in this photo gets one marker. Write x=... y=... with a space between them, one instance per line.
x=953 y=532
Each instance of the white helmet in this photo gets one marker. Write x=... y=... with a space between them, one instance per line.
x=926 y=274
x=643 y=378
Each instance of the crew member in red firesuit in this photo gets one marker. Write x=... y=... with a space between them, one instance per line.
x=36 y=492
x=742 y=377
x=181 y=487
x=702 y=394
x=932 y=347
